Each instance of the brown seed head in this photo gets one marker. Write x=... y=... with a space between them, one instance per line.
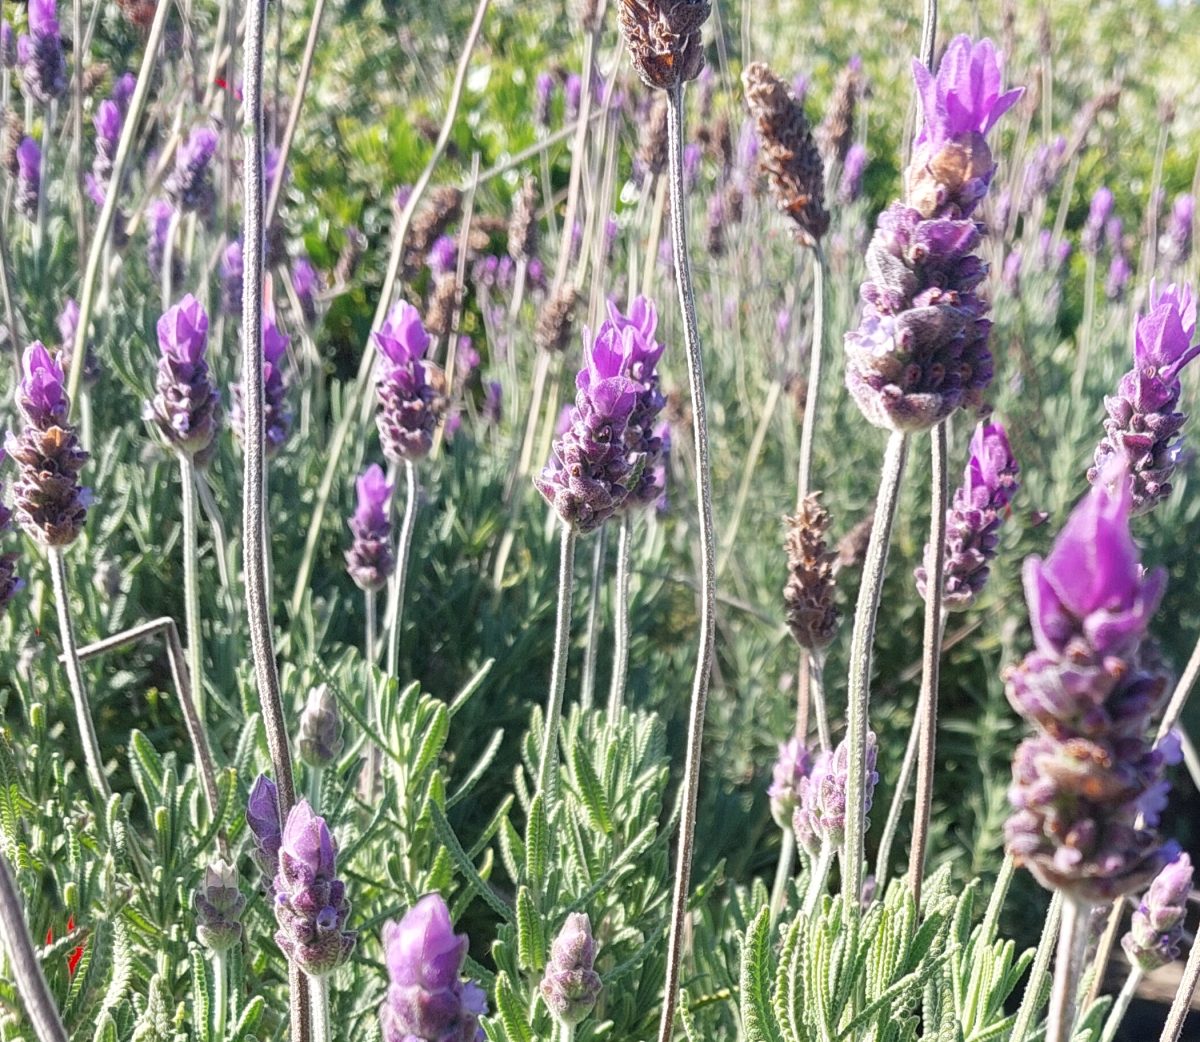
x=443 y=302
x=10 y=141
x=836 y=132
x=809 y=596
x=523 y=226
x=589 y=15
x=788 y=155
x=437 y=212
x=663 y=37
x=852 y=547
x=556 y=320
x=652 y=139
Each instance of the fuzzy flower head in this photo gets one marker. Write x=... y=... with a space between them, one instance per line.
x=973 y=521
x=571 y=985
x=427 y=999
x=218 y=904
x=8 y=46
x=44 y=65
x=186 y=408
x=1097 y=225
x=310 y=901
x=42 y=391
x=1177 y=244
x=952 y=164
x=320 y=738
x=793 y=765
x=369 y=560
x=409 y=405
x=232 y=269
x=819 y=820
x=190 y=182
x=1156 y=931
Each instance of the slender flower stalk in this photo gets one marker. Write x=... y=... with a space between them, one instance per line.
x=558 y=671
x=1181 y=1005
x=1068 y=967
x=23 y=962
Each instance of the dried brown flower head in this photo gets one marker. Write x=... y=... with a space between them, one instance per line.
x=523 y=226
x=10 y=141
x=836 y=132
x=435 y=216
x=556 y=320
x=788 y=155
x=809 y=596
x=852 y=547
x=443 y=302
x=663 y=37
x=652 y=139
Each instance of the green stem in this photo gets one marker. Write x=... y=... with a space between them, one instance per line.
x=708 y=584
x=931 y=657
x=1121 y=1006
x=899 y=798
x=315 y=774
x=861 y=644
x=318 y=990
x=23 y=962
x=783 y=871
x=191 y=583
x=374 y=695
x=83 y=712
x=220 y=995
x=816 y=881
x=558 y=673
x=587 y=691
x=812 y=398
x=616 y=691
x=1089 y=320
x=400 y=575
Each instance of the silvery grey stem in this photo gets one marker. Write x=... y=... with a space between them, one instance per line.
x=83 y=712
x=395 y=607
x=1068 y=966
x=783 y=872
x=929 y=34
x=1037 y=972
x=587 y=689
x=616 y=691
x=1112 y=1023
x=558 y=671
x=931 y=657
x=254 y=488
x=899 y=799
x=708 y=584
x=100 y=234
x=861 y=644
x=319 y=998
x=1182 y=1003
x=79 y=47
x=191 y=582
x=813 y=396
x=25 y=968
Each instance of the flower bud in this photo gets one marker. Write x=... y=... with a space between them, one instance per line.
x=571 y=985
x=219 y=905
x=320 y=739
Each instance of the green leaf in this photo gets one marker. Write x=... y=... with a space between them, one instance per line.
x=531 y=933
x=591 y=791
x=758 y=1019
x=537 y=841
x=511 y=1015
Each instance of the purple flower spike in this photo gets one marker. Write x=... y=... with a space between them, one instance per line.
x=306 y=283
x=43 y=64
x=310 y=901
x=975 y=516
x=123 y=91
x=8 y=46
x=791 y=768
x=1177 y=242
x=1119 y=274
x=232 y=269
x=107 y=121
x=443 y=256
x=819 y=820
x=218 y=904
x=277 y=414
x=190 y=184
x=50 y=504
x=853 y=169
x=369 y=560
x=29 y=178
x=1143 y=418
x=427 y=999
x=1091 y=686
x=409 y=404
x=68 y=324
x=262 y=818
x=571 y=985
x=10 y=583
x=952 y=164
x=1095 y=228
x=186 y=411
x=159 y=216
x=544 y=97
x=1156 y=932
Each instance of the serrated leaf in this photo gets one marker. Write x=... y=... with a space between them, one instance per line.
x=537 y=841
x=758 y=1020
x=591 y=791
x=509 y=1010
x=531 y=933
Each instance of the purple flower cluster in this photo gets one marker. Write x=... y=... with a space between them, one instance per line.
x=427 y=999
x=306 y=283
x=409 y=405
x=40 y=54
x=50 y=503
x=819 y=819
x=232 y=270
x=791 y=768
x=369 y=560
x=1091 y=686
x=1143 y=418
x=160 y=216
x=921 y=351
x=571 y=984
x=1156 y=931
x=1098 y=226
x=8 y=46
x=607 y=457
x=1177 y=240
x=277 y=414
x=186 y=410
x=975 y=516
x=851 y=184
x=262 y=818
x=310 y=901
x=29 y=179
x=189 y=185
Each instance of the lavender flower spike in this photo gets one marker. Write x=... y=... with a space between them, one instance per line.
x=1156 y=930
x=310 y=901
x=369 y=560
x=1177 y=245
x=1143 y=419
x=320 y=738
x=68 y=324
x=409 y=405
x=232 y=268
x=43 y=64
x=427 y=999
x=29 y=179
x=189 y=184
x=219 y=904
x=975 y=516
x=593 y=471
x=1095 y=228
x=187 y=408
x=1091 y=686
x=262 y=818
x=277 y=417
x=820 y=816
x=10 y=583
x=921 y=350
x=571 y=985
x=50 y=504
x=8 y=46
x=791 y=768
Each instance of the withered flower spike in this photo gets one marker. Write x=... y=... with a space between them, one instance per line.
x=663 y=37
